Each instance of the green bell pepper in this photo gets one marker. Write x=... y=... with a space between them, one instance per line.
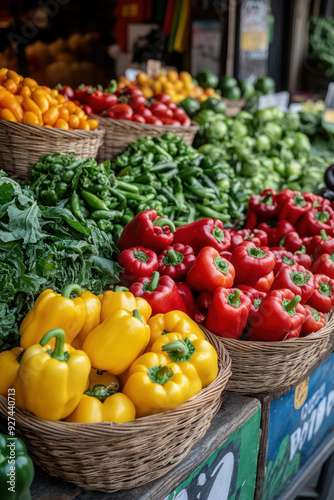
x=16 y=469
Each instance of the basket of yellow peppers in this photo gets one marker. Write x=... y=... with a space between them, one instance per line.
x=102 y=385
x=36 y=120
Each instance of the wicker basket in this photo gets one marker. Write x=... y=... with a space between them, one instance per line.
x=120 y=133
x=111 y=457
x=265 y=366
x=21 y=145
x=233 y=107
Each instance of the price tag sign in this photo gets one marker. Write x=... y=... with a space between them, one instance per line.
x=280 y=99
x=153 y=68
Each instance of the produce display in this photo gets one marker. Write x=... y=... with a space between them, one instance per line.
x=120 y=336
x=212 y=263
x=178 y=86
x=128 y=103
x=22 y=100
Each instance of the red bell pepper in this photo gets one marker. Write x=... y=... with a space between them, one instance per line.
x=316 y=200
x=137 y=262
x=314 y=321
x=264 y=206
x=87 y=109
x=175 y=261
x=279 y=316
x=187 y=297
x=297 y=279
x=251 y=263
x=147 y=230
x=322 y=298
x=282 y=258
x=324 y=265
x=160 y=292
x=316 y=219
x=256 y=236
x=210 y=271
x=198 y=316
x=292 y=205
x=81 y=93
x=302 y=258
x=276 y=233
x=322 y=244
x=251 y=220
x=256 y=297
x=228 y=312
x=291 y=241
x=67 y=92
x=203 y=301
x=101 y=101
x=264 y=283
x=203 y=233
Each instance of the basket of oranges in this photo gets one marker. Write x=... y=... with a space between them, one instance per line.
x=36 y=120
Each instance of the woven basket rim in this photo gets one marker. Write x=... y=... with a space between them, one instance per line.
x=146 y=126
x=48 y=131
x=138 y=424
x=290 y=344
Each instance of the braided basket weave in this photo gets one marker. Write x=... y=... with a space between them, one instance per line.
x=21 y=145
x=120 y=133
x=110 y=457
x=265 y=366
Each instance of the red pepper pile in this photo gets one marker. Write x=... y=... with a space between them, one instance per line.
x=128 y=104
x=267 y=282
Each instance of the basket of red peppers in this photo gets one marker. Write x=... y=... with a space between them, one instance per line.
x=127 y=115
x=265 y=291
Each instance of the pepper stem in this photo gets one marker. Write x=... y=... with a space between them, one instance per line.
x=292 y=304
x=332 y=257
x=176 y=345
x=136 y=314
x=154 y=282
x=73 y=288
x=58 y=352
x=163 y=221
x=174 y=258
x=233 y=298
x=301 y=251
x=324 y=236
x=121 y=289
x=101 y=392
x=160 y=374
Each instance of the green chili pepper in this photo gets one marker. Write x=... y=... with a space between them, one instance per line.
x=105 y=225
x=75 y=206
x=93 y=201
x=106 y=214
x=160 y=167
x=213 y=214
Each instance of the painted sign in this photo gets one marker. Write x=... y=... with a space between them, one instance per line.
x=298 y=421
x=230 y=472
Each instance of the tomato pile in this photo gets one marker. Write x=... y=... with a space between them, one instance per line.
x=128 y=103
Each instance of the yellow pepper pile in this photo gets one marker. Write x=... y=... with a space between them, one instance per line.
x=22 y=100
x=177 y=85
x=105 y=358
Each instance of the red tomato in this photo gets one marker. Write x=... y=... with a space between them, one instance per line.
x=186 y=122
x=138 y=119
x=179 y=114
x=153 y=120
x=158 y=109
x=169 y=113
x=137 y=102
x=170 y=121
x=145 y=112
x=132 y=91
x=163 y=98
x=121 y=111
x=88 y=109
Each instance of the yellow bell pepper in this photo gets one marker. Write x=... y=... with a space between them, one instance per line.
x=123 y=299
x=9 y=365
x=155 y=386
x=101 y=377
x=53 y=310
x=118 y=341
x=173 y=321
x=199 y=352
x=50 y=383
x=101 y=404
x=93 y=316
